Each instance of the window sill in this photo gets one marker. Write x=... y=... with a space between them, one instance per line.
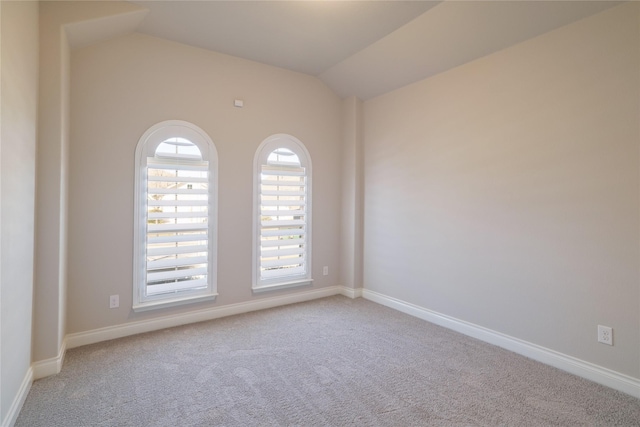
x=153 y=305
x=282 y=285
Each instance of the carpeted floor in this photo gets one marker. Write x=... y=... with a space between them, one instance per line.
x=329 y=362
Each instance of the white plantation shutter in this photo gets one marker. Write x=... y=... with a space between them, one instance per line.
x=175 y=246
x=177 y=225
x=282 y=208
x=282 y=222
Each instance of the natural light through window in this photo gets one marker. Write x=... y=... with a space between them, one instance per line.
x=175 y=234
x=177 y=227
x=282 y=205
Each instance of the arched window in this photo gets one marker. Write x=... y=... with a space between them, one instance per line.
x=282 y=214
x=175 y=216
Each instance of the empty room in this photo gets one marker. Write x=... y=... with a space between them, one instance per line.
x=306 y=213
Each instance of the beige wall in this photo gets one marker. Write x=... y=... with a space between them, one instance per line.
x=352 y=175
x=19 y=80
x=51 y=256
x=122 y=87
x=505 y=192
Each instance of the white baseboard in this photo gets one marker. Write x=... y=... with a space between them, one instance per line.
x=581 y=368
x=18 y=401
x=351 y=292
x=119 y=331
x=45 y=368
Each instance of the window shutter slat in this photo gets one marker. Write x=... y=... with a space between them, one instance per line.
x=163 y=288
x=274 y=212
x=175 y=274
x=275 y=163
x=176 y=262
x=296 y=261
x=284 y=232
x=170 y=203
x=179 y=156
x=177 y=238
x=270 y=252
x=282 y=193
x=295 y=271
x=178 y=215
x=166 y=228
x=283 y=223
x=176 y=250
x=194 y=180
x=177 y=191
x=292 y=203
x=291 y=182
x=281 y=242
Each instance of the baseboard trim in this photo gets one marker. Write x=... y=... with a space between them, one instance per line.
x=18 y=401
x=133 y=328
x=52 y=366
x=351 y=292
x=581 y=368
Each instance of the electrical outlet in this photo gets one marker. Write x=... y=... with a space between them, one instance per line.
x=325 y=270
x=114 y=301
x=605 y=335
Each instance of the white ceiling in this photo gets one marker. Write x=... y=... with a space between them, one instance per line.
x=305 y=36
x=362 y=48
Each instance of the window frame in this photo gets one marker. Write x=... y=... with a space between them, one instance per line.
x=263 y=151
x=146 y=148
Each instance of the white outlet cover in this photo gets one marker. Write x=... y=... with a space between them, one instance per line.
x=605 y=335
x=114 y=301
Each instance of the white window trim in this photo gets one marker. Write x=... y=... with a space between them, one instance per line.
x=264 y=149
x=147 y=145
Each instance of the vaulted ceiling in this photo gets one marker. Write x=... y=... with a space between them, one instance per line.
x=362 y=48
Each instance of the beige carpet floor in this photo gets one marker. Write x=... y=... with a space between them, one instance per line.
x=329 y=362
